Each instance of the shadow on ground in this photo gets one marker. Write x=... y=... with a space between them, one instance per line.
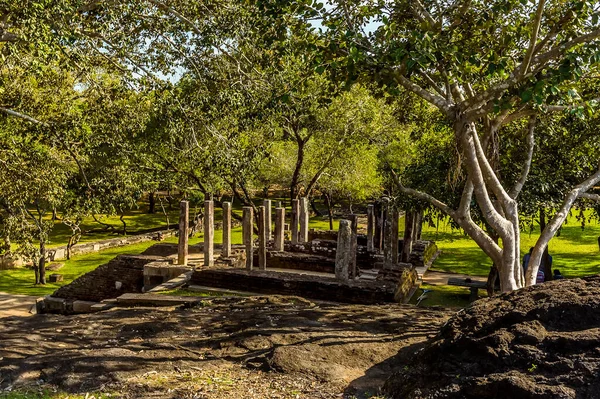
x=270 y=346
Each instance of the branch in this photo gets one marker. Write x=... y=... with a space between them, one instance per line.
x=482 y=98
x=423 y=14
x=464 y=220
x=558 y=108
x=534 y=36
x=494 y=218
x=432 y=83
x=514 y=193
x=590 y=196
x=422 y=196
x=23 y=116
x=438 y=101
x=578 y=191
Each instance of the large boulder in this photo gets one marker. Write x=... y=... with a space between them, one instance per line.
x=538 y=342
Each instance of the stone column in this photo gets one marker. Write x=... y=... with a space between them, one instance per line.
x=184 y=221
x=371 y=228
x=354 y=227
x=395 y=219
x=295 y=220
x=268 y=222
x=209 y=233
x=262 y=238
x=247 y=232
x=279 y=229
x=226 y=251
x=343 y=255
x=304 y=219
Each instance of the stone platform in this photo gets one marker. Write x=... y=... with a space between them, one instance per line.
x=319 y=287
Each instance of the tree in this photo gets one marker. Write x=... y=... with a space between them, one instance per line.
x=441 y=52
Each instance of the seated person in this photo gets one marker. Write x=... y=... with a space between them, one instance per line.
x=541 y=277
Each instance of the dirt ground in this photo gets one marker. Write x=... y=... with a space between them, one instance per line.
x=15 y=305
x=539 y=342
x=263 y=347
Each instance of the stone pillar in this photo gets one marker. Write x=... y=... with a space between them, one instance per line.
x=354 y=241
x=295 y=220
x=184 y=221
x=371 y=228
x=247 y=232
x=343 y=256
x=209 y=233
x=395 y=219
x=279 y=229
x=262 y=238
x=304 y=219
x=226 y=251
x=268 y=222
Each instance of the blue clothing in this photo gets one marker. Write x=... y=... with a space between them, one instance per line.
x=526 y=261
x=540 y=278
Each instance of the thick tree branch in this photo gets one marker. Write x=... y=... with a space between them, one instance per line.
x=533 y=40
x=514 y=192
x=438 y=101
x=494 y=218
x=590 y=196
x=557 y=221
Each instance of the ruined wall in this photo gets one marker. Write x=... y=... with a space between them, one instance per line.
x=100 y=283
x=313 y=287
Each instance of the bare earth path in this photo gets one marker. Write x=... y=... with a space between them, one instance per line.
x=15 y=305
x=259 y=347
x=441 y=278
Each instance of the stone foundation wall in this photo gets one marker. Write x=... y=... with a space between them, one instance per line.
x=422 y=252
x=101 y=283
x=328 y=249
x=313 y=287
x=59 y=253
x=298 y=261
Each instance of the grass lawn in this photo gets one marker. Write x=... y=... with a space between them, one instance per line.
x=444 y=295
x=575 y=252
x=20 y=281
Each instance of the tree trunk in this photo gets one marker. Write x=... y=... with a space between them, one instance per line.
x=329 y=210
x=121 y=218
x=36 y=270
x=151 y=202
x=165 y=213
x=42 y=264
x=409 y=228
x=491 y=280
x=493 y=274
x=418 y=226
x=315 y=209
x=296 y=176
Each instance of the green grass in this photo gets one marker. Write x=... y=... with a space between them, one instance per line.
x=20 y=281
x=444 y=295
x=575 y=252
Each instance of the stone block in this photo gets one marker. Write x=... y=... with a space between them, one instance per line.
x=83 y=306
x=54 y=278
x=54 y=266
x=54 y=305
